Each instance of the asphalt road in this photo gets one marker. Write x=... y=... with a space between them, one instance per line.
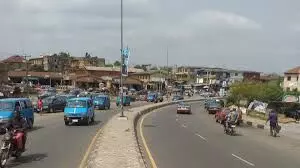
x=53 y=145
x=193 y=141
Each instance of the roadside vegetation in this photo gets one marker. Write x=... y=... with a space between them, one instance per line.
x=250 y=91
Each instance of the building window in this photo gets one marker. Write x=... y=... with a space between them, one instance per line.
x=295 y=90
x=236 y=74
x=289 y=78
x=288 y=89
x=297 y=78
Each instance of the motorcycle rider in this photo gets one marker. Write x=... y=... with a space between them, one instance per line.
x=273 y=118
x=231 y=118
x=18 y=124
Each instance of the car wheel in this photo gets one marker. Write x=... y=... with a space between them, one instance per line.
x=109 y=107
x=87 y=122
x=67 y=123
x=51 y=110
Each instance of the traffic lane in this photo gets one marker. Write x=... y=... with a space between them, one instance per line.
x=172 y=146
x=251 y=144
x=52 y=144
x=196 y=140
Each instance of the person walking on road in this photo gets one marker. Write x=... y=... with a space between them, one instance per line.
x=273 y=118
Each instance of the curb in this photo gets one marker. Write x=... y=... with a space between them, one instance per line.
x=251 y=124
x=145 y=111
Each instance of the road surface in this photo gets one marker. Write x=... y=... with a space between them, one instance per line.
x=53 y=145
x=193 y=141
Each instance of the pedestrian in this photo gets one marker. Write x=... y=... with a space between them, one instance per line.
x=273 y=118
x=40 y=104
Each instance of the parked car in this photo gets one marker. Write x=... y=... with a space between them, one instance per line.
x=213 y=107
x=177 y=97
x=184 y=108
x=102 y=102
x=209 y=101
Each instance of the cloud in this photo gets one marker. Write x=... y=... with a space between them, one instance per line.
x=197 y=32
x=222 y=19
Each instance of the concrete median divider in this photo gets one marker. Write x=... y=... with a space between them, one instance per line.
x=117 y=143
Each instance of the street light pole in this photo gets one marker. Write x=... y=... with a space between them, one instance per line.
x=122 y=62
x=27 y=82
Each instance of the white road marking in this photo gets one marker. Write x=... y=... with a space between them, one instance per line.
x=176 y=119
x=184 y=126
x=201 y=137
x=249 y=163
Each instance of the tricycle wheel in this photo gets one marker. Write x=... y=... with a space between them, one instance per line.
x=3 y=158
x=67 y=123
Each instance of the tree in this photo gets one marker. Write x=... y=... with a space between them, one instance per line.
x=63 y=59
x=154 y=68
x=266 y=92
x=138 y=67
x=87 y=55
x=117 y=63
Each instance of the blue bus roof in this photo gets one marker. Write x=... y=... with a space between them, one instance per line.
x=14 y=99
x=81 y=98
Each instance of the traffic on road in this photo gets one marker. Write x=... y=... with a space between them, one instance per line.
x=196 y=140
x=59 y=126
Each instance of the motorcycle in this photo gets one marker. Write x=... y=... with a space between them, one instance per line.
x=8 y=148
x=230 y=129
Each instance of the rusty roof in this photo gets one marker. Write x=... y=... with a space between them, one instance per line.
x=35 y=74
x=14 y=59
x=295 y=70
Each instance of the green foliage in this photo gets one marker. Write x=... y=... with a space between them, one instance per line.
x=117 y=63
x=109 y=65
x=250 y=91
x=153 y=68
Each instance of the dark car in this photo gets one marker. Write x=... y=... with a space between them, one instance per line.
x=209 y=101
x=54 y=103
x=177 y=97
x=213 y=108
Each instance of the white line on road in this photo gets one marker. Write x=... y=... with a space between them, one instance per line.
x=184 y=126
x=249 y=163
x=201 y=137
x=176 y=119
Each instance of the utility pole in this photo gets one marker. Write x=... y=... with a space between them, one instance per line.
x=122 y=62
x=27 y=82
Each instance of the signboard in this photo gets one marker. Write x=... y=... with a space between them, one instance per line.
x=290 y=98
x=125 y=59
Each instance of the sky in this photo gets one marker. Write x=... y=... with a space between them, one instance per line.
x=260 y=35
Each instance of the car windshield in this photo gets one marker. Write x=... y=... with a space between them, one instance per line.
x=100 y=99
x=151 y=94
x=76 y=103
x=6 y=106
